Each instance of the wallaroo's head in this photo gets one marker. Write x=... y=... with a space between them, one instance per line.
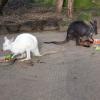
x=94 y=25
x=7 y=43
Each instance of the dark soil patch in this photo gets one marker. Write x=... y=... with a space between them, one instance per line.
x=32 y=19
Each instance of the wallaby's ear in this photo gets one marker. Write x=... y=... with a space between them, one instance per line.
x=95 y=21
x=12 y=39
x=5 y=38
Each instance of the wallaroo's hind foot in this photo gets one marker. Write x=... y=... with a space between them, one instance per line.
x=77 y=44
x=67 y=40
x=77 y=41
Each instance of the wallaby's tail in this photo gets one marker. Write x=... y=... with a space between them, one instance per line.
x=56 y=42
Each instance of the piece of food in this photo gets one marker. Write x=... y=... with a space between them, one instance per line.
x=97 y=48
x=5 y=56
x=8 y=57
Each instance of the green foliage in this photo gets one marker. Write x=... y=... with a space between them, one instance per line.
x=46 y=2
x=96 y=3
x=85 y=17
x=78 y=4
x=8 y=56
x=83 y=3
x=49 y=2
x=65 y=3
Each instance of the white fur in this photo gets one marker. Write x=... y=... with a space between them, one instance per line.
x=24 y=43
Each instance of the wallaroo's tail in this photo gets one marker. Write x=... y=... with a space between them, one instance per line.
x=56 y=42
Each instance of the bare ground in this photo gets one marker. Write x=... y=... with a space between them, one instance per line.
x=73 y=73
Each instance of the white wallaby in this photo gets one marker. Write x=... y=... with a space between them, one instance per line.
x=24 y=43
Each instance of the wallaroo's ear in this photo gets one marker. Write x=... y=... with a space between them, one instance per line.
x=94 y=20
x=5 y=38
x=91 y=22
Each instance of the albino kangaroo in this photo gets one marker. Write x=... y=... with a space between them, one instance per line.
x=24 y=43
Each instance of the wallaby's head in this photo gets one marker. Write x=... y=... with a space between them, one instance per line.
x=7 y=43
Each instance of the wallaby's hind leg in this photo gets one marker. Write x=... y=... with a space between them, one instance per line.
x=67 y=37
x=28 y=55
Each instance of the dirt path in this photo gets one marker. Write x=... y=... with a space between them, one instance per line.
x=71 y=74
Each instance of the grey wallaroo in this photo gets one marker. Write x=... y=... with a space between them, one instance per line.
x=78 y=30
